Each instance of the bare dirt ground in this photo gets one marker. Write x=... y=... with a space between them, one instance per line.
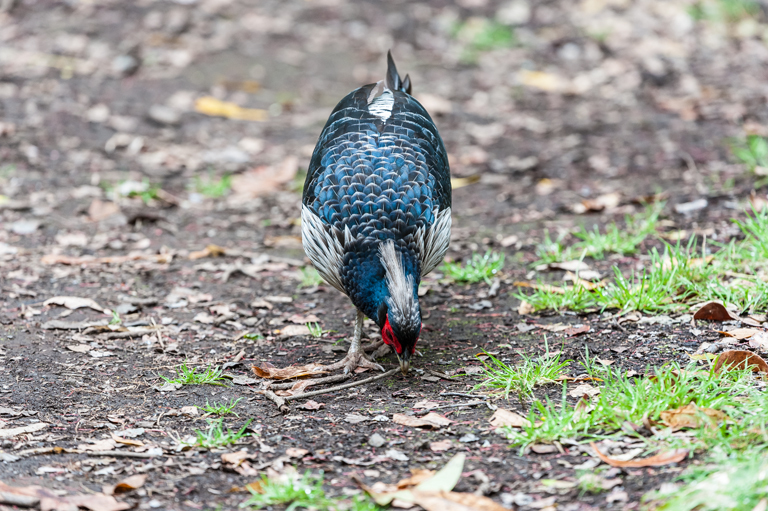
x=108 y=167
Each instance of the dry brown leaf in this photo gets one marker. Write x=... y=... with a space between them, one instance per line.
x=209 y=251
x=430 y=420
x=502 y=417
x=32 y=428
x=29 y=496
x=127 y=441
x=418 y=475
x=691 y=416
x=296 y=452
x=130 y=483
x=265 y=180
x=270 y=372
x=759 y=341
x=99 y=210
x=714 y=311
x=525 y=308
x=578 y=281
x=440 y=445
x=741 y=359
x=74 y=302
x=312 y=405
x=663 y=458
x=740 y=333
x=208 y=105
x=584 y=390
x=235 y=458
x=573 y=331
x=454 y=501
x=106 y=444
x=76 y=261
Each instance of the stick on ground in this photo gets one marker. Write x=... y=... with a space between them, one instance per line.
x=282 y=402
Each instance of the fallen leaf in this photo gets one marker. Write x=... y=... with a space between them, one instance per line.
x=461 y=182
x=106 y=444
x=431 y=420
x=274 y=373
x=759 y=341
x=356 y=418
x=739 y=360
x=418 y=476
x=741 y=333
x=79 y=348
x=542 y=287
x=502 y=417
x=454 y=501
x=542 y=80
x=312 y=405
x=691 y=416
x=126 y=441
x=585 y=389
x=76 y=261
x=294 y=331
x=264 y=180
x=425 y=404
x=100 y=210
x=525 y=308
x=74 y=302
x=714 y=311
x=32 y=428
x=295 y=452
x=209 y=251
x=658 y=460
x=543 y=448
x=440 y=445
x=235 y=458
x=208 y=105
x=133 y=482
x=573 y=331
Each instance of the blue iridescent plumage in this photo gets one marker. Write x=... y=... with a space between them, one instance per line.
x=379 y=174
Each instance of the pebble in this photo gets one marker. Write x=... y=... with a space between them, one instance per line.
x=164 y=114
x=469 y=437
x=24 y=227
x=125 y=65
x=376 y=440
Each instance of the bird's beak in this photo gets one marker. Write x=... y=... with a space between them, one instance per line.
x=405 y=362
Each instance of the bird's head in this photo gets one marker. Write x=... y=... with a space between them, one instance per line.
x=401 y=333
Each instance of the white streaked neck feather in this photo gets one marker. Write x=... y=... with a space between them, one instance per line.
x=402 y=303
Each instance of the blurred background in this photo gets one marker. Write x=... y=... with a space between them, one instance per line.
x=199 y=116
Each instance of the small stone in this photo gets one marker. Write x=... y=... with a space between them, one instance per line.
x=126 y=308
x=469 y=437
x=376 y=440
x=125 y=65
x=164 y=114
x=25 y=227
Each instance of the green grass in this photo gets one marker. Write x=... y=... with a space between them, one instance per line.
x=220 y=408
x=735 y=482
x=752 y=152
x=251 y=336
x=145 y=190
x=301 y=492
x=680 y=274
x=596 y=244
x=522 y=377
x=215 y=436
x=315 y=330
x=308 y=277
x=212 y=187
x=186 y=375
x=479 y=35
x=476 y=269
x=724 y=11
x=624 y=400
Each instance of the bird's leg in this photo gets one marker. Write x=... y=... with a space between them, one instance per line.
x=355 y=356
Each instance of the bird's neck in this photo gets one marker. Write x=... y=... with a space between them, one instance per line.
x=402 y=281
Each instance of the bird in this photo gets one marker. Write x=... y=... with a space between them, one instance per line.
x=376 y=210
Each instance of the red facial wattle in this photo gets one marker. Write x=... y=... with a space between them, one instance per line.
x=390 y=338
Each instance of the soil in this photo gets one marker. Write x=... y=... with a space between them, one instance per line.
x=642 y=109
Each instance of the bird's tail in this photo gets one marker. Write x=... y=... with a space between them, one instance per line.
x=394 y=82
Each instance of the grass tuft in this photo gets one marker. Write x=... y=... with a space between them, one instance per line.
x=220 y=408
x=297 y=492
x=212 y=187
x=477 y=268
x=522 y=377
x=186 y=375
x=215 y=436
x=309 y=277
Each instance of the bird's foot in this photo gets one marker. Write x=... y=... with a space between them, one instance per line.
x=351 y=362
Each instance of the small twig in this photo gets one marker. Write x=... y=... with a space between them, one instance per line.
x=343 y=387
x=13 y=499
x=439 y=374
x=471 y=403
x=282 y=402
x=462 y=395
x=314 y=381
x=64 y=450
x=123 y=454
